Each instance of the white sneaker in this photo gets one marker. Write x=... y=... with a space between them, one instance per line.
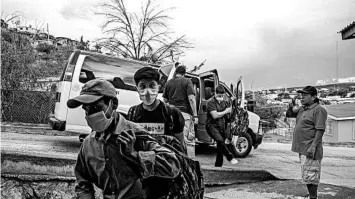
x=234 y=161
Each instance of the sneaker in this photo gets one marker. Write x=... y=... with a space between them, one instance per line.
x=234 y=161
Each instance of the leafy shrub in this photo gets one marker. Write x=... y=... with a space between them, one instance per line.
x=45 y=47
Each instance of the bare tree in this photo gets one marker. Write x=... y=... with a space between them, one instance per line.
x=196 y=68
x=140 y=36
x=14 y=17
x=38 y=25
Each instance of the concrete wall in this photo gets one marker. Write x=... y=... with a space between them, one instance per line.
x=346 y=130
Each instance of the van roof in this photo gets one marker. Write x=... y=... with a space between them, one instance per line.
x=103 y=56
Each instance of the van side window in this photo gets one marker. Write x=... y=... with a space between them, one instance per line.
x=68 y=69
x=119 y=73
x=228 y=93
x=209 y=88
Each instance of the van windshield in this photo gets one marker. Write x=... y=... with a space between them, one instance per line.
x=119 y=72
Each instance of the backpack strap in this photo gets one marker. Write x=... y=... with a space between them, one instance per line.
x=133 y=113
x=167 y=115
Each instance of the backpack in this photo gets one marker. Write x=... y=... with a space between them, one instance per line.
x=189 y=184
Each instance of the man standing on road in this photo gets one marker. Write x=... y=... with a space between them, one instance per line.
x=179 y=92
x=153 y=113
x=307 y=137
x=111 y=157
x=216 y=125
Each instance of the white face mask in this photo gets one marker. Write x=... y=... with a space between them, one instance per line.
x=148 y=95
x=148 y=91
x=98 y=121
x=219 y=98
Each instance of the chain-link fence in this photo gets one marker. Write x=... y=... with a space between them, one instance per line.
x=284 y=128
x=26 y=106
x=287 y=133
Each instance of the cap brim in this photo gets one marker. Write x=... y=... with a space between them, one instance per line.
x=302 y=91
x=82 y=99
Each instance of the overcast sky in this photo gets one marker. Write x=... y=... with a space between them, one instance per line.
x=270 y=43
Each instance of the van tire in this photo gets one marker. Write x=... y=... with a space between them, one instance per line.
x=245 y=144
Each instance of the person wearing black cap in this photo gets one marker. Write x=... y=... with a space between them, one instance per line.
x=179 y=92
x=307 y=137
x=111 y=157
x=152 y=113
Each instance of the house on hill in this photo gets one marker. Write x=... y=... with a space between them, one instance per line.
x=27 y=29
x=340 y=123
x=63 y=41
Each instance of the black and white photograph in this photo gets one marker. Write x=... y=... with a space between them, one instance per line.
x=163 y=99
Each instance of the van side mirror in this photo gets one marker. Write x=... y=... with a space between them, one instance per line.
x=83 y=78
x=118 y=83
x=82 y=75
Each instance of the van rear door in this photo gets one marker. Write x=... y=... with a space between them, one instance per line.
x=63 y=88
x=208 y=82
x=76 y=117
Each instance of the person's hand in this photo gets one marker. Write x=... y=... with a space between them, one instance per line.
x=311 y=151
x=195 y=120
x=228 y=110
x=127 y=140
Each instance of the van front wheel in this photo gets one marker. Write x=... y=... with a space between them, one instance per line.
x=243 y=145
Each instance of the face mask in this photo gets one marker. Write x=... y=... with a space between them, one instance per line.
x=148 y=95
x=98 y=121
x=219 y=99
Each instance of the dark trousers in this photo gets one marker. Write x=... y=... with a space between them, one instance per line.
x=218 y=134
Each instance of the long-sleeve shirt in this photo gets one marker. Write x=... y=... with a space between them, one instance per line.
x=101 y=162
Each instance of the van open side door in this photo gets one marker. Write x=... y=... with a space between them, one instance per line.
x=208 y=82
x=240 y=94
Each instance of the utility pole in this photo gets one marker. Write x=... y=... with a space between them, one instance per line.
x=251 y=88
x=47 y=33
x=337 y=65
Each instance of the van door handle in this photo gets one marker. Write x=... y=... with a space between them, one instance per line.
x=204 y=108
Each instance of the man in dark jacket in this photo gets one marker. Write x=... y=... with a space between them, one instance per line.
x=111 y=157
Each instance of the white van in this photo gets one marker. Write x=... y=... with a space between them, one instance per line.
x=83 y=66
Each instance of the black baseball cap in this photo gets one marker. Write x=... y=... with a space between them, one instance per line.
x=308 y=90
x=92 y=91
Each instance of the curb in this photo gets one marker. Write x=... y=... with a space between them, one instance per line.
x=227 y=176
x=34 y=168
x=40 y=129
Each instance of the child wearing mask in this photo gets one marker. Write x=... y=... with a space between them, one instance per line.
x=153 y=114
